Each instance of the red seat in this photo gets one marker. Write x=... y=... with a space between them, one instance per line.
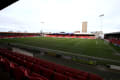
x=4 y=63
x=37 y=68
x=33 y=76
x=19 y=73
x=7 y=65
x=43 y=71
x=59 y=70
x=13 y=65
x=38 y=75
x=48 y=73
x=75 y=76
x=94 y=77
x=58 y=76
x=28 y=65
x=20 y=61
x=42 y=67
x=69 y=78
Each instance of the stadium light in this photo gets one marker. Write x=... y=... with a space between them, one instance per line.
x=41 y=31
x=100 y=16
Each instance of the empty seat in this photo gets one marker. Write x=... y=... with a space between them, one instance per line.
x=94 y=77
x=33 y=76
x=20 y=61
x=37 y=68
x=75 y=76
x=59 y=70
x=7 y=65
x=41 y=68
x=58 y=76
x=19 y=73
x=28 y=65
x=38 y=75
x=4 y=63
x=47 y=73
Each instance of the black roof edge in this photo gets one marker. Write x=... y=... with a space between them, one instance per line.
x=6 y=3
x=112 y=33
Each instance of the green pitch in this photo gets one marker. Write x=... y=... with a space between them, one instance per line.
x=89 y=47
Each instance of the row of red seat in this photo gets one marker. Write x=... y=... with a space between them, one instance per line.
x=17 y=36
x=19 y=72
x=69 y=36
x=48 y=70
x=20 y=59
x=114 y=41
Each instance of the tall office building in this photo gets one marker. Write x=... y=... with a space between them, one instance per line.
x=84 y=27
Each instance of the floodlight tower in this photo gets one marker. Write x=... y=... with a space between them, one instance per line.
x=101 y=32
x=100 y=16
x=41 y=31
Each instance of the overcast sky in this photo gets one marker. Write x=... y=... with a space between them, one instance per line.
x=61 y=15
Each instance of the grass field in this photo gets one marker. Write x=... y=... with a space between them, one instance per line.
x=88 y=47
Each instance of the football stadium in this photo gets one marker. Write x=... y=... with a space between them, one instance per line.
x=79 y=55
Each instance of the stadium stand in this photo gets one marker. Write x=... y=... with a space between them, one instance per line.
x=113 y=38
x=23 y=67
x=20 y=35
x=85 y=36
x=17 y=35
